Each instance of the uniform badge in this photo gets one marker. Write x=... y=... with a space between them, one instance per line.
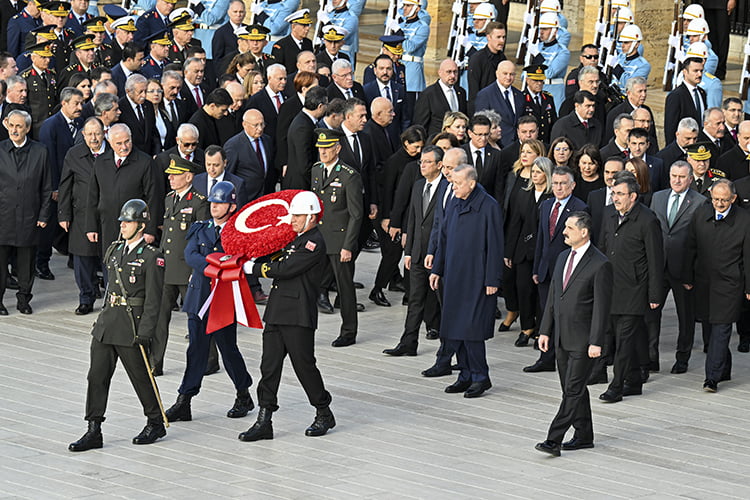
x=160 y=261
x=183 y=226
x=310 y=245
x=336 y=184
x=333 y=198
x=132 y=278
x=188 y=210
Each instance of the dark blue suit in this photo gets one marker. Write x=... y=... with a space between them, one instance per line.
x=148 y=24
x=18 y=26
x=119 y=79
x=659 y=174
x=74 y=24
x=242 y=160
x=151 y=68
x=490 y=97
x=200 y=183
x=223 y=42
x=203 y=239
x=402 y=120
x=55 y=134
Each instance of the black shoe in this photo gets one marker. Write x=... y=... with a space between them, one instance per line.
x=358 y=285
x=323 y=422
x=653 y=366
x=710 y=386
x=344 y=341
x=377 y=296
x=522 y=340
x=3 y=310
x=405 y=300
x=150 y=433
x=261 y=429
x=24 y=308
x=458 y=386
x=396 y=287
x=576 y=444
x=211 y=370
x=549 y=447
x=401 y=350
x=539 y=366
x=679 y=367
x=476 y=389
x=44 y=274
x=324 y=304
x=434 y=371
x=243 y=404
x=84 y=309
x=432 y=334
x=644 y=374
x=11 y=283
x=632 y=390
x=600 y=378
x=89 y=441
x=610 y=396
x=744 y=346
x=498 y=313
x=180 y=411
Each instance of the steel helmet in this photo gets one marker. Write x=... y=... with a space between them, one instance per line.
x=620 y=3
x=697 y=26
x=223 y=192
x=305 y=203
x=631 y=33
x=134 y=210
x=549 y=20
x=697 y=50
x=693 y=11
x=485 y=11
x=625 y=15
x=549 y=6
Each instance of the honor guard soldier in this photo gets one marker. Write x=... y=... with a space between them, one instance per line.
x=285 y=51
x=184 y=205
x=333 y=40
x=629 y=62
x=208 y=16
x=103 y=51
x=477 y=37
x=537 y=102
x=159 y=45
x=416 y=33
x=21 y=24
x=553 y=55
x=344 y=18
x=273 y=15
x=56 y=13
x=340 y=188
x=291 y=318
x=183 y=29
x=393 y=48
x=553 y=7
x=42 y=34
x=125 y=325
x=204 y=238
x=697 y=31
x=40 y=81
x=124 y=30
x=154 y=20
x=112 y=13
x=84 y=52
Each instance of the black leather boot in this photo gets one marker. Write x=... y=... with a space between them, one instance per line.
x=261 y=429
x=243 y=404
x=323 y=421
x=150 y=433
x=180 y=411
x=91 y=440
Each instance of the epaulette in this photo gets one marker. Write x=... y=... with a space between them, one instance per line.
x=150 y=247
x=709 y=75
x=194 y=227
x=715 y=172
x=199 y=196
x=347 y=168
x=27 y=73
x=276 y=46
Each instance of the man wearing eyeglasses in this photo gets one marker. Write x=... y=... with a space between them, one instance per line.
x=485 y=158
x=635 y=98
x=589 y=57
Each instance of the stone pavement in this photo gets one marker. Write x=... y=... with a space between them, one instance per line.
x=398 y=434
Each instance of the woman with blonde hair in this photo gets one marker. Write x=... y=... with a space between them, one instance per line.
x=456 y=122
x=253 y=83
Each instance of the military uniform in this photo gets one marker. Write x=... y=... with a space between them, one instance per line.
x=394 y=45
x=18 y=26
x=177 y=55
x=273 y=17
x=714 y=90
x=628 y=67
x=105 y=56
x=42 y=96
x=345 y=18
x=416 y=33
x=69 y=71
x=544 y=111
x=148 y=24
x=152 y=68
x=285 y=52
x=556 y=57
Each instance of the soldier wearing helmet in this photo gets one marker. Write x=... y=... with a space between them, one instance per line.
x=128 y=319
x=697 y=31
x=629 y=62
x=291 y=318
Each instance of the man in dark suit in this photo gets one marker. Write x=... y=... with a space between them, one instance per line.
x=291 y=319
x=618 y=145
x=732 y=109
x=485 y=158
x=285 y=50
x=505 y=99
x=212 y=118
x=637 y=146
x=139 y=116
x=250 y=154
x=686 y=134
x=483 y=63
x=687 y=99
x=194 y=88
x=635 y=98
x=717 y=266
x=224 y=40
x=439 y=98
x=423 y=302
x=601 y=198
x=301 y=151
x=713 y=135
x=343 y=85
x=575 y=320
x=132 y=60
x=385 y=86
x=268 y=101
x=674 y=208
x=186 y=146
x=631 y=239
x=590 y=80
x=735 y=162
x=216 y=164
x=580 y=126
x=382 y=131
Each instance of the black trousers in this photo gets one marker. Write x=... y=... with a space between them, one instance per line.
x=25 y=257
x=683 y=300
x=574 y=368
x=169 y=296
x=528 y=298
x=631 y=347
x=343 y=273
x=52 y=235
x=423 y=305
x=510 y=291
x=549 y=356
x=719 y=357
x=718 y=20
x=84 y=270
x=299 y=343
x=390 y=256
x=103 y=362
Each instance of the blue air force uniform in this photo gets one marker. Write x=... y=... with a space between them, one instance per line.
x=18 y=26
x=149 y=23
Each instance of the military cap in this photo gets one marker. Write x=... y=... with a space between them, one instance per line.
x=699 y=151
x=334 y=33
x=126 y=23
x=171 y=1
x=161 y=37
x=535 y=72
x=179 y=165
x=56 y=8
x=47 y=31
x=114 y=12
x=182 y=19
x=95 y=24
x=327 y=137
x=413 y=2
x=302 y=16
x=84 y=42
x=41 y=49
x=393 y=43
x=252 y=32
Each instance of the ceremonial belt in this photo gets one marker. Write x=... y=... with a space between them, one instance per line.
x=411 y=58
x=115 y=300
x=554 y=81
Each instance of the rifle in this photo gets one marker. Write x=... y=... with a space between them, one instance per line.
x=391 y=17
x=253 y=7
x=610 y=45
x=459 y=12
x=675 y=44
x=318 y=36
x=745 y=77
x=456 y=49
x=600 y=26
x=529 y=20
x=604 y=40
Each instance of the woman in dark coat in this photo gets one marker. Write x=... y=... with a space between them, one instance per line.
x=589 y=168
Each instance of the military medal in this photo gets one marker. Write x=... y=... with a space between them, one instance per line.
x=333 y=197
x=183 y=226
x=132 y=278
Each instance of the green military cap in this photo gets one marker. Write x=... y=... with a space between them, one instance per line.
x=699 y=151
x=43 y=49
x=47 y=32
x=84 y=42
x=327 y=137
x=95 y=24
x=535 y=72
x=180 y=165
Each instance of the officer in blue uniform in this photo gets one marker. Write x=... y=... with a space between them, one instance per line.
x=209 y=16
x=629 y=63
x=75 y=21
x=393 y=48
x=20 y=24
x=697 y=31
x=553 y=55
x=272 y=14
x=416 y=33
x=343 y=17
x=423 y=14
x=204 y=238
x=154 y=20
x=153 y=64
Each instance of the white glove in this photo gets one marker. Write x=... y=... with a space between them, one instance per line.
x=247 y=267
x=393 y=25
x=256 y=8
x=534 y=49
x=457 y=8
x=323 y=16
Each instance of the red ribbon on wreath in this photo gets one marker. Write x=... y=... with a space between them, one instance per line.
x=230 y=296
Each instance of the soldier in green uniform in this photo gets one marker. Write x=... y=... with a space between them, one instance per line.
x=103 y=53
x=183 y=31
x=128 y=321
x=84 y=54
x=537 y=102
x=40 y=81
x=184 y=205
x=340 y=188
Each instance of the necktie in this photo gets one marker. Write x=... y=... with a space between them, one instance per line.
x=259 y=154
x=673 y=209
x=173 y=112
x=355 y=150
x=609 y=199
x=699 y=184
x=43 y=76
x=198 y=99
x=72 y=128
x=426 y=199
x=119 y=162
x=348 y=94
x=734 y=134
x=187 y=157
x=387 y=90
x=96 y=155
x=507 y=100
x=569 y=269
x=538 y=101
x=453 y=101
x=553 y=219
x=719 y=216
x=81 y=20
x=278 y=102
x=140 y=114
x=479 y=164
x=698 y=102
x=213 y=183
x=585 y=124
x=718 y=143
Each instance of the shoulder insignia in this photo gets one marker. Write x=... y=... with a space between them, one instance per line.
x=199 y=196
x=160 y=261
x=276 y=46
x=715 y=172
x=546 y=93
x=347 y=168
x=311 y=245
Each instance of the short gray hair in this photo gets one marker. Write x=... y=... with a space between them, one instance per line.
x=471 y=172
x=689 y=124
x=627 y=178
x=632 y=82
x=587 y=70
x=190 y=61
x=171 y=75
x=23 y=114
x=104 y=103
x=120 y=127
x=15 y=80
x=68 y=93
x=340 y=64
x=726 y=182
x=619 y=118
x=104 y=87
x=707 y=113
x=133 y=80
x=274 y=68
x=682 y=164
x=188 y=127
x=493 y=115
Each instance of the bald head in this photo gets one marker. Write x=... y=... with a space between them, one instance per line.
x=382 y=111
x=506 y=73
x=448 y=72
x=238 y=94
x=743 y=135
x=306 y=61
x=253 y=123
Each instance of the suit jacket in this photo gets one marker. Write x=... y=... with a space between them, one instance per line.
x=523 y=227
x=636 y=251
x=716 y=151
x=402 y=120
x=419 y=222
x=742 y=187
x=288 y=111
x=626 y=107
x=145 y=135
x=671 y=153
x=365 y=167
x=491 y=97
x=190 y=106
x=242 y=161
x=212 y=131
x=735 y=163
x=577 y=316
x=55 y=134
x=432 y=105
x=119 y=78
x=596 y=202
x=548 y=248
x=675 y=237
x=357 y=91
x=678 y=105
x=571 y=127
x=490 y=176
x=482 y=69
x=658 y=174
x=285 y=52
x=223 y=42
x=200 y=183
x=612 y=149
x=301 y=153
